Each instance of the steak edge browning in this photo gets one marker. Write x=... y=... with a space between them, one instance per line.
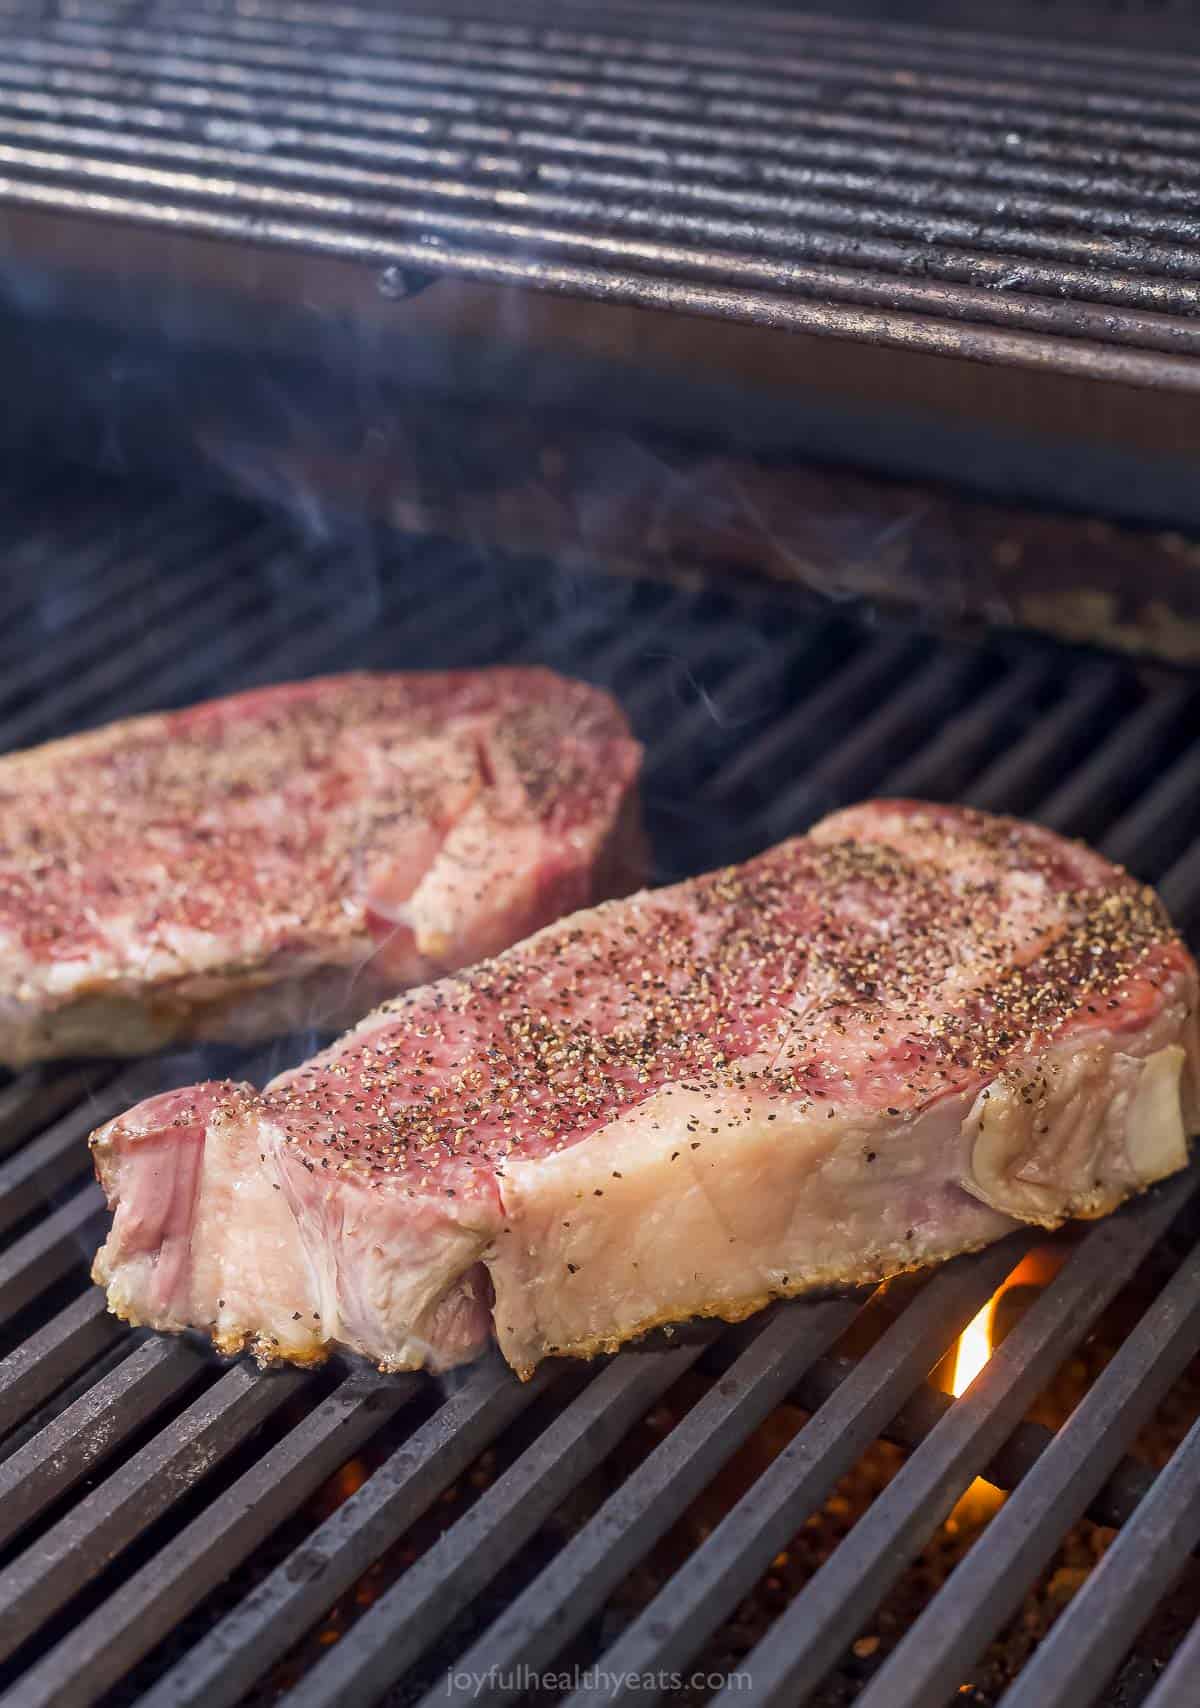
x=871 y=1048
x=286 y=858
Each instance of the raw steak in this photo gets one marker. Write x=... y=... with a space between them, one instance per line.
x=873 y=1047
x=290 y=856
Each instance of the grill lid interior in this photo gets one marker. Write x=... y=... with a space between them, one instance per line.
x=1013 y=198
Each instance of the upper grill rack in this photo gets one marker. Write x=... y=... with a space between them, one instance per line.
x=136 y=1475
x=1013 y=200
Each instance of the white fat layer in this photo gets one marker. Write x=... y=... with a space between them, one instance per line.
x=689 y=1207
x=1156 y=1143
x=1076 y=1129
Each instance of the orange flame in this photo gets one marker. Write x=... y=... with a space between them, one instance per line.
x=1036 y=1269
x=974 y=1347
x=977 y=1503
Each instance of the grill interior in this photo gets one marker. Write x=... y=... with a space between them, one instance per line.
x=1016 y=200
x=168 y=1534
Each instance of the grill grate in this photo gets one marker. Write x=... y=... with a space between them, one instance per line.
x=1020 y=200
x=136 y=1475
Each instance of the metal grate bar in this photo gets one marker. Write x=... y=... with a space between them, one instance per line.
x=1177 y=1686
x=306 y=637
x=988 y=1585
x=150 y=1603
x=219 y=199
x=84 y=575
x=594 y=118
x=103 y=553
x=157 y=593
x=1160 y=816
x=42 y=1168
x=676 y=1622
x=1089 y=795
x=684 y=34
x=810 y=1634
x=359 y=191
x=728 y=1562
x=561 y=1599
x=695 y=23
x=400 y=70
x=459 y=631
x=863 y=680
x=71 y=1446
x=785 y=223
x=73 y=1389
x=861 y=758
x=278 y=1612
x=626 y=651
x=1107 y=131
x=31 y=516
x=646 y=680
x=1180 y=888
x=822 y=314
x=48 y=1252
x=920 y=1415
x=557 y=1604
x=1080 y=1654
x=619 y=62
x=689 y=726
x=798 y=130
x=1028 y=765
x=1014 y=777
x=75 y=1550
x=1006 y=201
x=467 y=35
x=122 y=681
x=130 y=683
x=101 y=557
x=944 y=762
x=52 y=1355
x=244 y=641
x=41 y=1094
x=574 y=624
x=45 y=145
x=407 y=1618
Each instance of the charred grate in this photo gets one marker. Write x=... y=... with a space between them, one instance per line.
x=167 y=1532
x=1016 y=199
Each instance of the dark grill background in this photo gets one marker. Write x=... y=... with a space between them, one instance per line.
x=158 y=1535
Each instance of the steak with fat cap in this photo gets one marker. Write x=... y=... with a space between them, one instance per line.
x=873 y=1047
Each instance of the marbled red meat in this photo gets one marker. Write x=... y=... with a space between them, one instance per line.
x=875 y=1046
x=288 y=857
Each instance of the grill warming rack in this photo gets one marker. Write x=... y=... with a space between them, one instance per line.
x=137 y=1474
x=1014 y=199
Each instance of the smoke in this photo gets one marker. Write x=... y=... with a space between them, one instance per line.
x=316 y=436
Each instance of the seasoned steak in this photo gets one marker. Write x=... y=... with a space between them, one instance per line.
x=288 y=857
x=875 y=1046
